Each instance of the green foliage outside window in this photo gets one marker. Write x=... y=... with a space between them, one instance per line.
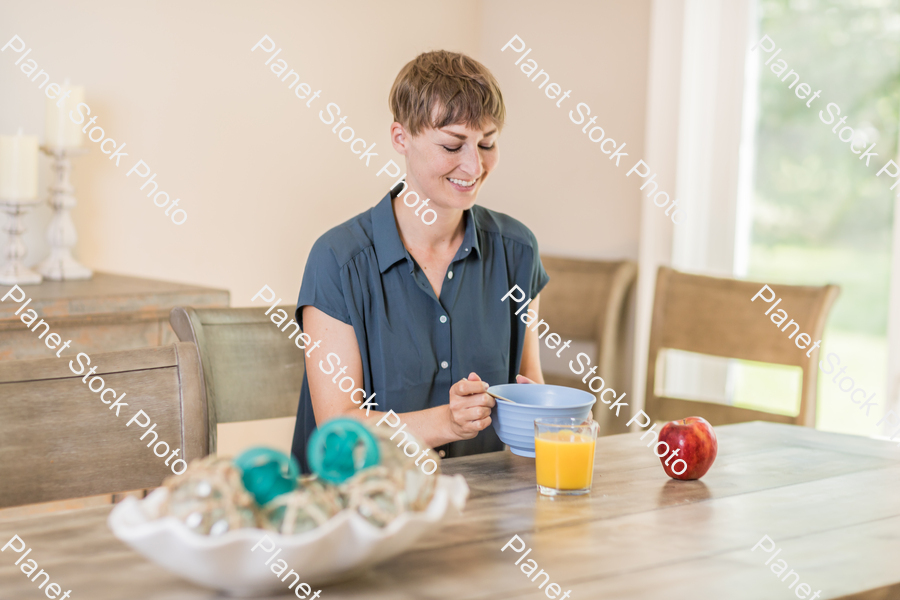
x=819 y=213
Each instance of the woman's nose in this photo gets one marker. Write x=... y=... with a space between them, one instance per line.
x=471 y=163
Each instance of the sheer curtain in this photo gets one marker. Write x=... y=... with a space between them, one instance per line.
x=694 y=136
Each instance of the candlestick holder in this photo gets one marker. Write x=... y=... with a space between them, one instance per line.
x=14 y=271
x=61 y=235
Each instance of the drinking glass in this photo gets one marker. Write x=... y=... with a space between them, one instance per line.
x=564 y=455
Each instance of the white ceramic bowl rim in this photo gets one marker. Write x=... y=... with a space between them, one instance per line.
x=134 y=519
x=345 y=543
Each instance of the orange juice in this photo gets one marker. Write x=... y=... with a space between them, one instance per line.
x=564 y=460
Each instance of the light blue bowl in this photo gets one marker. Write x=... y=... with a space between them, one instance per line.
x=514 y=423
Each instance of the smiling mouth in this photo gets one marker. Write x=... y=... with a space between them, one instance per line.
x=463 y=182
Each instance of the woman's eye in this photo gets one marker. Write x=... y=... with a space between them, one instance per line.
x=457 y=149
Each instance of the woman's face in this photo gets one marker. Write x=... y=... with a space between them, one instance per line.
x=449 y=165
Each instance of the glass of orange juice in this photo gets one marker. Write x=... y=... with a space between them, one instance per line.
x=564 y=455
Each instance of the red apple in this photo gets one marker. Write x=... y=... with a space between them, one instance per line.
x=691 y=440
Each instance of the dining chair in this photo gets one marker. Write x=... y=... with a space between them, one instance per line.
x=59 y=440
x=585 y=302
x=252 y=368
x=715 y=316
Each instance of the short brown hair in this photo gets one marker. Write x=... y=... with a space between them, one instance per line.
x=442 y=88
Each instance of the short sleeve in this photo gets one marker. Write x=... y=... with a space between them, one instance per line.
x=539 y=277
x=321 y=286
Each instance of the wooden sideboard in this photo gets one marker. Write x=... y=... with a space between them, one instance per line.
x=105 y=313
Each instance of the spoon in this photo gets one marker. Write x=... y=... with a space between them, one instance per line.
x=500 y=397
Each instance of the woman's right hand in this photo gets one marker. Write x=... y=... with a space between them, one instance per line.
x=470 y=407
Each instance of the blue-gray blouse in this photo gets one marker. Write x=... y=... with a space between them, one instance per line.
x=414 y=345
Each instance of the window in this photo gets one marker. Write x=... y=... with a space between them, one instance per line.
x=817 y=213
x=773 y=194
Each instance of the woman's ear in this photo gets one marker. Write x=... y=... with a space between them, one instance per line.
x=399 y=138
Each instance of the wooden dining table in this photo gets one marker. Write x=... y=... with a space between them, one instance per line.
x=829 y=502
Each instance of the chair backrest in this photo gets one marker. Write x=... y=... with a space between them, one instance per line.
x=585 y=300
x=251 y=369
x=715 y=316
x=59 y=441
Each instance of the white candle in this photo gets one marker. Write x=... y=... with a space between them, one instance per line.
x=18 y=167
x=61 y=131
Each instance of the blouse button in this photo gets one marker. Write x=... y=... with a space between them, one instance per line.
x=450 y=275
x=441 y=453
x=445 y=364
x=443 y=318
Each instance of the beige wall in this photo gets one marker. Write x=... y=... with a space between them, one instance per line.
x=261 y=177
x=259 y=174
x=551 y=176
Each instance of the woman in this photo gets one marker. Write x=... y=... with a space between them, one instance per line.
x=412 y=311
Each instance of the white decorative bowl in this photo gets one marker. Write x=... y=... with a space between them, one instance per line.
x=345 y=545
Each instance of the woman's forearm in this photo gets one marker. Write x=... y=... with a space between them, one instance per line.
x=431 y=425
x=530 y=366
